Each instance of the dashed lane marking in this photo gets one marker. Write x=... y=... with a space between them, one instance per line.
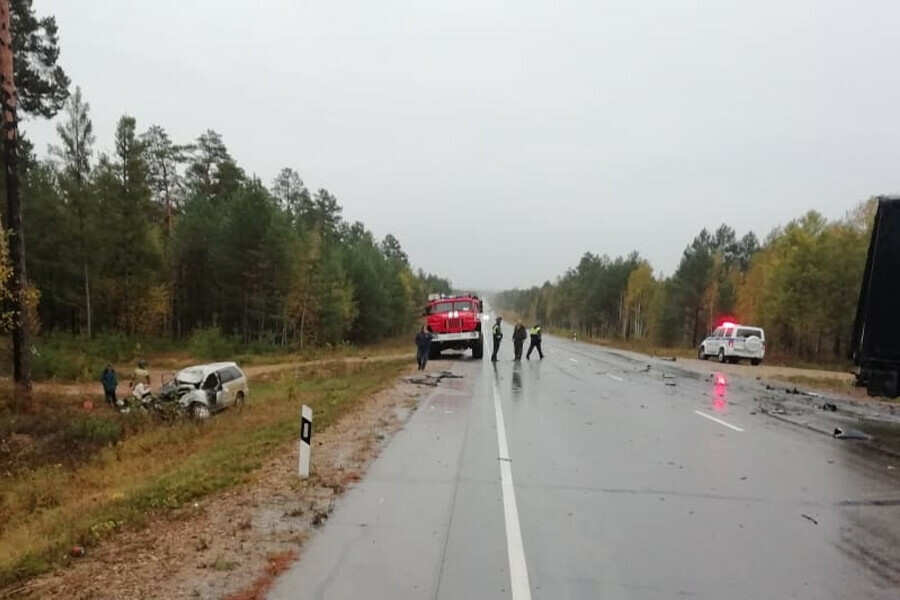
x=717 y=420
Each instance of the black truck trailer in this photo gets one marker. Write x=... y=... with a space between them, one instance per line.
x=875 y=345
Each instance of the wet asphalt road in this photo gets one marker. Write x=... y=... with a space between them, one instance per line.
x=615 y=482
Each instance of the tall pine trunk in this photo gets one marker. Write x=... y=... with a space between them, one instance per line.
x=87 y=292
x=18 y=281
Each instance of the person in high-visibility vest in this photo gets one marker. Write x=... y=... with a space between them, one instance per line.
x=497 y=334
x=535 y=342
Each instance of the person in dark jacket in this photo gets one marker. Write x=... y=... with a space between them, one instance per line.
x=110 y=382
x=519 y=336
x=423 y=346
x=535 y=342
x=497 y=334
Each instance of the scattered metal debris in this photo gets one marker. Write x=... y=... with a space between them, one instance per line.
x=433 y=379
x=670 y=383
x=850 y=434
x=669 y=358
x=810 y=519
x=320 y=516
x=829 y=406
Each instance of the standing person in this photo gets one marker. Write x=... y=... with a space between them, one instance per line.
x=423 y=346
x=110 y=382
x=140 y=374
x=535 y=342
x=519 y=335
x=497 y=333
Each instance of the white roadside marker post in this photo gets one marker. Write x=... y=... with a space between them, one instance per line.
x=305 y=437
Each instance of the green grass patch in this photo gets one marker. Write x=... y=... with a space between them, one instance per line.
x=46 y=510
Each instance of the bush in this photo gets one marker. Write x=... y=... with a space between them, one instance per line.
x=76 y=358
x=210 y=344
x=53 y=362
x=93 y=431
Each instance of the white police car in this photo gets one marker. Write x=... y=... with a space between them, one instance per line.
x=731 y=342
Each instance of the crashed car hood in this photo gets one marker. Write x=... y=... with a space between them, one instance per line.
x=190 y=376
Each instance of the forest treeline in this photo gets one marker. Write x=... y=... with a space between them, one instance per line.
x=800 y=283
x=162 y=238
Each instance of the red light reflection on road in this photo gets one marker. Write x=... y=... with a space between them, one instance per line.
x=720 y=393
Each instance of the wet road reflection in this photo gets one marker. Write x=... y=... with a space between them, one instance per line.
x=517 y=380
x=719 y=393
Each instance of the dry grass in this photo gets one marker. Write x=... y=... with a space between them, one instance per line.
x=47 y=510
x=830 y=384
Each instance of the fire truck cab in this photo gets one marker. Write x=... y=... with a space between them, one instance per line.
x=455 y=323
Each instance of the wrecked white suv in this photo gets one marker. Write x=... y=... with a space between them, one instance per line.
x=204 y=389
x=731 y=342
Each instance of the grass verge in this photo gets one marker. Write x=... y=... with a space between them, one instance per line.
x=830 y=384
x=47 y=510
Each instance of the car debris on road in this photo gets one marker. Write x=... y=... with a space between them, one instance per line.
x=850 y=434
x=433 y=379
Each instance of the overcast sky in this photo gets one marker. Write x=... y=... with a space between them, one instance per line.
x=499 y=141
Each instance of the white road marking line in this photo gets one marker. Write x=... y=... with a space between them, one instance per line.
x=574 y=360
x=719 y=421
x=614 y=377
x=518 y=570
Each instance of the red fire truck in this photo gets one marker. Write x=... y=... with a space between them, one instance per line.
x=455 y=322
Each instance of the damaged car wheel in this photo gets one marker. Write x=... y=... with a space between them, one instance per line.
x=200 y=412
